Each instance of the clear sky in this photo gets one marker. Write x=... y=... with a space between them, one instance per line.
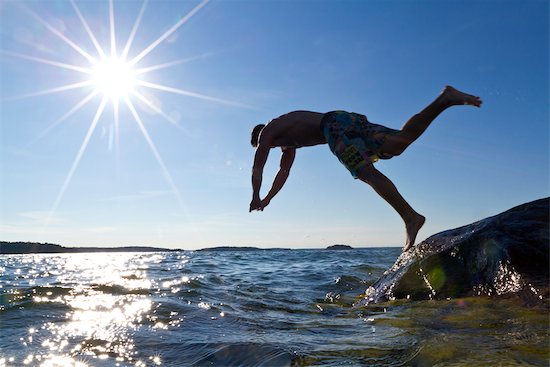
x=76 y=180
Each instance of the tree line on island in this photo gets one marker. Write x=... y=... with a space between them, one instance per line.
x=50 y=248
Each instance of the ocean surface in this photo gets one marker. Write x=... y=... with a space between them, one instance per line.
x=246 y=308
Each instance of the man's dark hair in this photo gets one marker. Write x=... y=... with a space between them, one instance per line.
x=255 y=134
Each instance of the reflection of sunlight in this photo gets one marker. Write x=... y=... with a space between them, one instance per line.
x=116 y=271
x=59 y=361
x=94 y=309
x=108 y=301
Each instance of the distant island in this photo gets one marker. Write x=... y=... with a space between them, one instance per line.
x=49 y=248
x=339 y=247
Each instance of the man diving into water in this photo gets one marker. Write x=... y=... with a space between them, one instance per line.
x=356 y=142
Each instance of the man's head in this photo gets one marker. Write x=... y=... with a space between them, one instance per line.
x=256 y=134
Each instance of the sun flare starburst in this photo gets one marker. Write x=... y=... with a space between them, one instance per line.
x=114 y=76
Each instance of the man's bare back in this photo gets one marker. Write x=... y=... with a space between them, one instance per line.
x=294 y=130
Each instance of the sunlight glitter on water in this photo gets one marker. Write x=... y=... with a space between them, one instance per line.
x=108 y=301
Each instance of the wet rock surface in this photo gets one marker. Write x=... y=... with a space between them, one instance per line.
x=503 y=255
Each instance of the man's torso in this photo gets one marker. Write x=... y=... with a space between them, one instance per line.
x=295 y=129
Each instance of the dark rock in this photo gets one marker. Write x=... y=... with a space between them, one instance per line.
x=339 y=247
x=507 y=254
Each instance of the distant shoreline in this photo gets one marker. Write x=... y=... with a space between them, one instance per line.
x=15 y=248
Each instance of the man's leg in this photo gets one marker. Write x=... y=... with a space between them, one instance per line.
x=397 y=143
x=387 y=190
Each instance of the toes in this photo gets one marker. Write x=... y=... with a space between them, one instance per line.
x=474 y=101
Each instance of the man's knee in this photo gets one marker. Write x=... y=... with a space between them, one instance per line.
x=395 y=145
x=395 y=151
x=367 y=173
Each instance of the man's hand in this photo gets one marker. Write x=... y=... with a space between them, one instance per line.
x=265 y=202
x=255 y=204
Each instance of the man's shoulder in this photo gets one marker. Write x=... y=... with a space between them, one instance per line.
x=303 y=113
x=293 y=117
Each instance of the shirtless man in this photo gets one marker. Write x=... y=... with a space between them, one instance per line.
x=355 y=141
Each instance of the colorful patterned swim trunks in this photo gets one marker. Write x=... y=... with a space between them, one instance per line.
x=353 y=139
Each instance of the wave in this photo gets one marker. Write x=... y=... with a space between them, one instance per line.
x=119 y=290
x=228 y=354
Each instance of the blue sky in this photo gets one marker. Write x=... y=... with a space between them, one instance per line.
x=256 y=60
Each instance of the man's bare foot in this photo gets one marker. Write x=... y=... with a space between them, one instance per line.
x=455 y=97
x=412 y=227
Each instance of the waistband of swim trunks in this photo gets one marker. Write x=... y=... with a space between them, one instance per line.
x=327 y=116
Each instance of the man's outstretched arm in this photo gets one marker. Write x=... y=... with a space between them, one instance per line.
x=287 y=159
x=260 y=158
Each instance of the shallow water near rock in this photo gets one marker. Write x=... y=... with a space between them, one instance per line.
x=247 y=308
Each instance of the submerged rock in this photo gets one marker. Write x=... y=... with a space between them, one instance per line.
x=500 y=255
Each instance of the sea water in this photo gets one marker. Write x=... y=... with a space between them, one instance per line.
x=246 y=308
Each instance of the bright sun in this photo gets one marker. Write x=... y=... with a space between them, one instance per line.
x=114 y=77
x=114 y=74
